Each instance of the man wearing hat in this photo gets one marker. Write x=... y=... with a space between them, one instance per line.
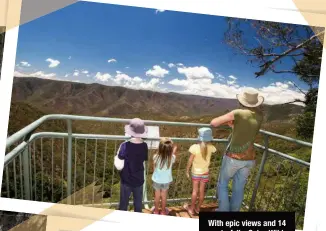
x=240 y=154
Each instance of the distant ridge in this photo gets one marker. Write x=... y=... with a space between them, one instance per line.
x=52 y=96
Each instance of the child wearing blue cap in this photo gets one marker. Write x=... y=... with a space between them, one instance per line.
x=199 y=160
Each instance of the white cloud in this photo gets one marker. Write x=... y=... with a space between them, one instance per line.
x=121 y=78
x=281 y=85
x=112 y=61
x=69 y=57
x=102 y=77
x=290 y=83
x=25 y=64
x=233 y=77
x=53 y=62
x=136 y=82
x=66 y=75
x=171 y=65
x=76 y=73
x=127 y=67
x=125 y=80
x=230 y=82
x=276 y=93
x=159 y=11
x=280 y=93
x=151 y=85
x=157 y=71
x=179 y=82
x=196 y=72
x=43 y=75
x=220 y=77
x=180 y=65
x=38 y=74
x=85 y=72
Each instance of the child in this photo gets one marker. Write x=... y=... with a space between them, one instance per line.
x=199 y=160
x=162 y=175
x=133 y=153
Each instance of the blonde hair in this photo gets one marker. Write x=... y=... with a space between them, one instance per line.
x=165 y=151
x=203 y=150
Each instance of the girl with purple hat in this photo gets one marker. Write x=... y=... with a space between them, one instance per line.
x=133 y=153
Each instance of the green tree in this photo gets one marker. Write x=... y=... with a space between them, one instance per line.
x=277 y=43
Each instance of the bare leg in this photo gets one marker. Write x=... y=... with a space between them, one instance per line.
x=163 y=199
x=194 y=195
x=201 y=195
x=157 y=200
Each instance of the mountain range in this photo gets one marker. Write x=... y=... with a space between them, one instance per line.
x=52 y=96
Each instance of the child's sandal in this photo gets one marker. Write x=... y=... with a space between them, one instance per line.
x=166 y=212
x=186 y=207
x=153 y=210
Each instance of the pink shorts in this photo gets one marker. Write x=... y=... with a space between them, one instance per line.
x=200 y=177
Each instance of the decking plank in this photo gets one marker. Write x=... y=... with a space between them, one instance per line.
x=179 y=211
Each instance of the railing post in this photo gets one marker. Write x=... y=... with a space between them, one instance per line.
x=26 y=174
x=261 y=169
x=69 y=162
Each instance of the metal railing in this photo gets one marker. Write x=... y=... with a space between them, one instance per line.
x=49 y=166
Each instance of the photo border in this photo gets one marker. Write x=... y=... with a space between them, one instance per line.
x=278 y=11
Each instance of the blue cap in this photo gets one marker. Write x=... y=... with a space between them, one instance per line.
x=205 y=134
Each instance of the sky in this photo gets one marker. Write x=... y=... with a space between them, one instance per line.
x=142 y=48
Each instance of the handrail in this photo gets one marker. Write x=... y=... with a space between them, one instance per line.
x=24 y=138
x=33 y=126
x=11 y=155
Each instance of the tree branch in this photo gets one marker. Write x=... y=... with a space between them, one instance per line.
x=298 y=88
x=283 y=71
x=268 y=64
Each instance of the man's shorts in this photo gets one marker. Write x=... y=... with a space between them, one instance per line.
x=200 y=177
x=158 y=186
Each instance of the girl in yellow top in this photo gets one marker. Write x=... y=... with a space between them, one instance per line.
x=199 y=160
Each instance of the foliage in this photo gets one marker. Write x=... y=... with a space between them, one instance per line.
x=92 y=160
x=279 y=43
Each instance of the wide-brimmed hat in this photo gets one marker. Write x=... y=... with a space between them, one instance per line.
x=250 y=98
x=136 y=128
x=205 y=134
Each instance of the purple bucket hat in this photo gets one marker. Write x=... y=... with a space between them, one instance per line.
x=136 y=128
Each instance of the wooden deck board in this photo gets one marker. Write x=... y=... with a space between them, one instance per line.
x=179 y=211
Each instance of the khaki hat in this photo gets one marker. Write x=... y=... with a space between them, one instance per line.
x=250 y=98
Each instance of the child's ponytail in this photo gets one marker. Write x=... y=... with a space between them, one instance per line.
x=203 y=149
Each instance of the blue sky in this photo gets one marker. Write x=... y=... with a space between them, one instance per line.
x=144 y=49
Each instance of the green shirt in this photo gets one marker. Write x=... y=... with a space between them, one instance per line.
x=246 y=126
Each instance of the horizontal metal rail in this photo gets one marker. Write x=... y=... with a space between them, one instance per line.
x=33 y=126
x=11 y=155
